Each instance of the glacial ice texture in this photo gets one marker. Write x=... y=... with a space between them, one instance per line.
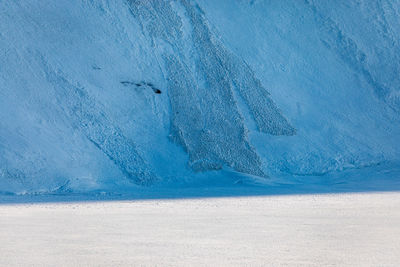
x=100 y=94
x=205 y=118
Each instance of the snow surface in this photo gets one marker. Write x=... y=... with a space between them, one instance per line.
x=278 y=89
x=294 y=230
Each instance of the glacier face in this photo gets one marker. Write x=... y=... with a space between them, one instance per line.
x=205 y=118
x=101 y=93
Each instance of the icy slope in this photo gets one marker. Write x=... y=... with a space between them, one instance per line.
x=331 y=67
x=103 y=93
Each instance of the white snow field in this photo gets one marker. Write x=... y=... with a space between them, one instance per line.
x=293 y=230
x=234 y=223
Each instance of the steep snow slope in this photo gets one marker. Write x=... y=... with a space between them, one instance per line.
x=107 y=93
x=331 y=67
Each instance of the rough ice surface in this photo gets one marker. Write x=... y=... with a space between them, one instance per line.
x=87 y=116
x=331 y=68
x=205 y=118
x=382 y=77
x=97 y=94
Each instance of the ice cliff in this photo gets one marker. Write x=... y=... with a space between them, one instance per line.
x=98 y=93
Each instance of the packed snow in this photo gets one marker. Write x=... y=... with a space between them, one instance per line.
x=294 y=230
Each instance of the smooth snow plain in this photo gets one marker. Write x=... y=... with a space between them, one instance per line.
x=350 y=218
x=294 y=230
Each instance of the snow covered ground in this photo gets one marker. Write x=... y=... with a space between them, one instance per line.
x=347 y=218
x=293 y=230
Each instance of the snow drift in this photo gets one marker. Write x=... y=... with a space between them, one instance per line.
x=98 y=93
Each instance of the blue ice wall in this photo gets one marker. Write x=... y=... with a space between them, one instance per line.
x=103 y=94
